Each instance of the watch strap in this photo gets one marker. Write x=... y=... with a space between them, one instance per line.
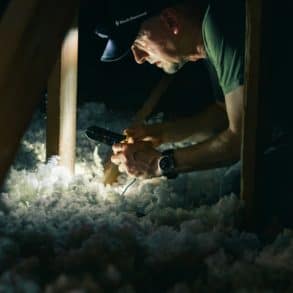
x=171 y=172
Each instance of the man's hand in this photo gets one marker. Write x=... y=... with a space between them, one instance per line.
x=138 y=159
x=151 y=133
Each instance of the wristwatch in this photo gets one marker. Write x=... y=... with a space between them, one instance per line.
x=166 y=164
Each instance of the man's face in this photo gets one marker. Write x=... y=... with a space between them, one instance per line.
x=156 y=45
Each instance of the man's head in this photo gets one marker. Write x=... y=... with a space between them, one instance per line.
x=159 y=41
x=157 y=31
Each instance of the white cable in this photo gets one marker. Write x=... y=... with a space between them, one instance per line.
x=127 y=186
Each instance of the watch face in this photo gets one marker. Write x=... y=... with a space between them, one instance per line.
x=165 y=163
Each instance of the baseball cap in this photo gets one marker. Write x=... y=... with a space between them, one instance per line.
x=119 y=21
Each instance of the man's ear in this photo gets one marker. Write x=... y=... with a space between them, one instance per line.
x=169 y=17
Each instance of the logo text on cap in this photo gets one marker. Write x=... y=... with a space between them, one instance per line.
x=131 y=18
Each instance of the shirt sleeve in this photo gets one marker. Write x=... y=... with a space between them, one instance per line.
x=224 y=39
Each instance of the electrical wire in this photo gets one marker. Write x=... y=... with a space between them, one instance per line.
x=127 y=186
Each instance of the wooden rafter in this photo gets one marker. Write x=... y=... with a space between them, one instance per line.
x=31 y=48
x=255 y=130
x=62 y=103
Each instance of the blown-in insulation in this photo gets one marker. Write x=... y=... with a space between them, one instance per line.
x=72 y=234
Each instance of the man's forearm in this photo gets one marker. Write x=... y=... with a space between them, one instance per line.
x=221 y=149
x=218 y=151
x=138 y=156
x=203 y=125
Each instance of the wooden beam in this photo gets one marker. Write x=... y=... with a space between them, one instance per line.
x=255 y=106
x=62 y=103
x=12 y=31
x=31 y=48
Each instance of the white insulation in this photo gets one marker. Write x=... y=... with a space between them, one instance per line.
x=72 y=234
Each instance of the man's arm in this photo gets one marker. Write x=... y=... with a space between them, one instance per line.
x=141 y=158
x=221 y=149
x=205 y=124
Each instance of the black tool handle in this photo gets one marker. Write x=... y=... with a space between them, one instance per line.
x=103 y=135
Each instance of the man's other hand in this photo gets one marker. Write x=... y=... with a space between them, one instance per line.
x=139 y=159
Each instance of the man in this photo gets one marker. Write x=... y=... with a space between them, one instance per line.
x=169 y=34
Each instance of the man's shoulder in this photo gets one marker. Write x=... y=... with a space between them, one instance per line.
x=223 y=35
x=223 y=20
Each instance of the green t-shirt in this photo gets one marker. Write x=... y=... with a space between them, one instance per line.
x=223 y=32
